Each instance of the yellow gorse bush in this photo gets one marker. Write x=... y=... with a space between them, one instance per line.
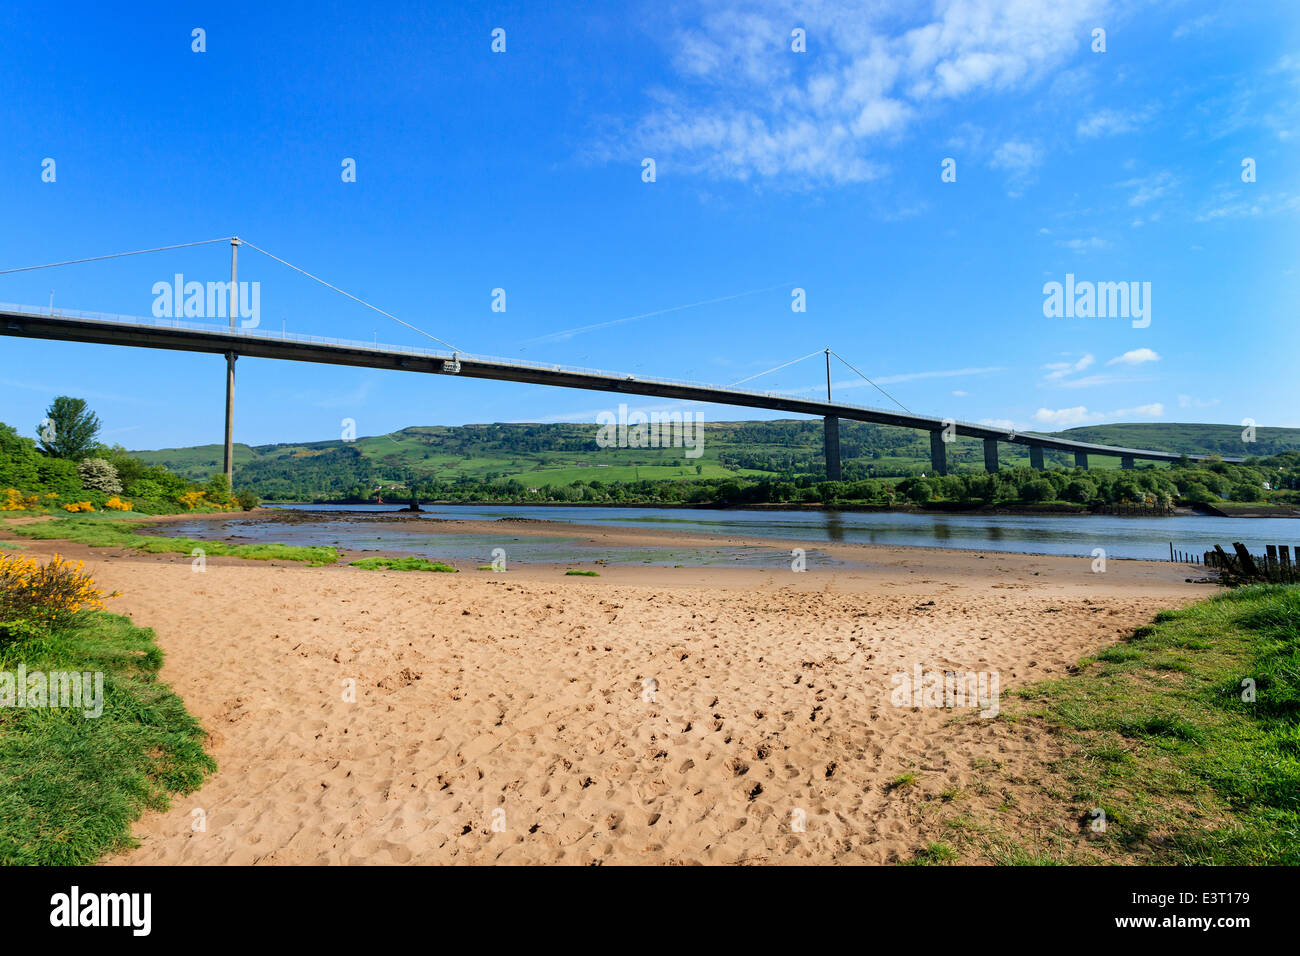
x=45 y=594
x=76 y=506
x=117 y=504
x=199 y=500
x=15 y=500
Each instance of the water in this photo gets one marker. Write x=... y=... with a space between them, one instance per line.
x=1071 y=535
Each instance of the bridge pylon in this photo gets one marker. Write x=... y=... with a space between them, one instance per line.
x=232 y=306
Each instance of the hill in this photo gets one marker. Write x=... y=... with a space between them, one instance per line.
x=559 y=454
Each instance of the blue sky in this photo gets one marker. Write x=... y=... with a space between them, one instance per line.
x=775 y=169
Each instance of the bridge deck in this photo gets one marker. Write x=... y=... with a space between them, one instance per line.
x=179 y=335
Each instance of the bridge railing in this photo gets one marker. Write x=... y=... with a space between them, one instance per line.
x=415 y=351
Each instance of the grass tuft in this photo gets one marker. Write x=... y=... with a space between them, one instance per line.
x=71 y=786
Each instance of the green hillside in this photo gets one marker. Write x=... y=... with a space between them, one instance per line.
x=553 y=455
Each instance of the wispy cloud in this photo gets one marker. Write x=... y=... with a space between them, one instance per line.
x=1135 y=357
x=749 y=107
x=1056 y=371
x=1108 y=122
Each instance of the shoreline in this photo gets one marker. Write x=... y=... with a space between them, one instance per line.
x=1058 y=509
x=858 y=552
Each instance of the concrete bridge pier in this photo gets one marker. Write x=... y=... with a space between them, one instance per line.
x=1081 y=459
x=938 y=453
x=1036 y=456
x=991 y=455
x=1126 y=461
x=832 y=448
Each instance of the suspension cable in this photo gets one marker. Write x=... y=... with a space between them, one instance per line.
x=777 y=369
x=116 y=255
x=873 y=384
x=350 y=295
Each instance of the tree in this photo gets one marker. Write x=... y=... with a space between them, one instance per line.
x=1037 y=490
x=70 y=429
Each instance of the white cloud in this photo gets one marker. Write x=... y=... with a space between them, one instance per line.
x=1135 y=357
x=1188 y=401
x=1080 y=415
x=1083 y=245
x=1059 y=370
x=748 y=107
x=1106 y=122
x=1149 y=188
x=1016 y=157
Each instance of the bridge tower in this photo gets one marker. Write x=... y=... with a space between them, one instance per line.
x=1036 y=456
x=232 y=301
x=831 y=433
x=1081 y=459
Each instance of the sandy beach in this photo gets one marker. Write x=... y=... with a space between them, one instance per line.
x=649 y=715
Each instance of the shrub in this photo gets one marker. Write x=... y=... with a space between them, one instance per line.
x=58 y=475
x=117 y=504
x=146 y=488
x=98 y=475
x=248 y=499
x=15 y=500
x=35 y=595
x=193 y=500
x=19 y=460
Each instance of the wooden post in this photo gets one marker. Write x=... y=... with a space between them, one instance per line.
x=1284 y=556
x=1246 y=560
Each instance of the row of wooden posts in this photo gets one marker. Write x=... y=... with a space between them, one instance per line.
x=1275 y=564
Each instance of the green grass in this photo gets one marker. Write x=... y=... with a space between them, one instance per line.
x=585 y=574
x=403 y=564
x=70 y=786
x=933 y=854
x=100 y=532
x=1187 y=771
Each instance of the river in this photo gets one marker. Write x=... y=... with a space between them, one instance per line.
x=1073 y=535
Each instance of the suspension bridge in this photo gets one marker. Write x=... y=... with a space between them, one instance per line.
x=234 y=342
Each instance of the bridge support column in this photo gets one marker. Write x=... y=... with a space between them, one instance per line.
x=938 y=453
x=1081 y=459
x=832 y=448
x=991 y=455
x=229 y=467
x=1036 y=456
x=1126 y=462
